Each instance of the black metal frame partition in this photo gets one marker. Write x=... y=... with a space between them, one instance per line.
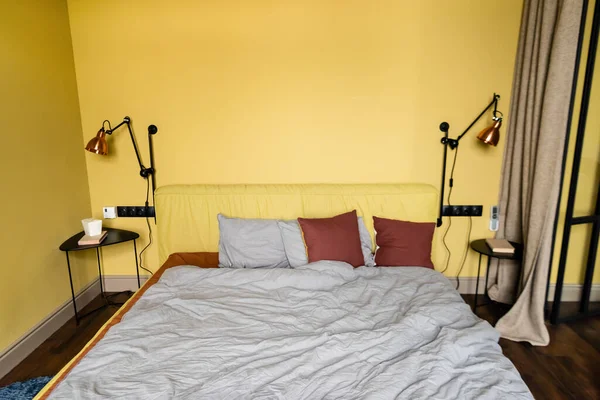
x=570 y=219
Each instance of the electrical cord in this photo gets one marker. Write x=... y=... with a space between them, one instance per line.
x=149 y=228
x=466 y=252
x=448 y=252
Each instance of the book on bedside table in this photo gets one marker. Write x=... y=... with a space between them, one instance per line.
x=500 y=246
x=90 y=240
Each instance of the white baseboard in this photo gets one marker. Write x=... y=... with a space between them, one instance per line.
x=22 y=347
x=570 y=292
x=573 y=292
x=467 y=285
x=121 y=283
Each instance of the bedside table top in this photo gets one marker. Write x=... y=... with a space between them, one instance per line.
x=481 y=247
x=113 y=236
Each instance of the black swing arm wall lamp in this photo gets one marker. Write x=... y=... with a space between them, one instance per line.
x=98 y=145
x=490 y=135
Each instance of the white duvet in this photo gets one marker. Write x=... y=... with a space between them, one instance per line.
x=322 y=331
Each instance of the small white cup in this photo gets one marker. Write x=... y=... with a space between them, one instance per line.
x=91 y=226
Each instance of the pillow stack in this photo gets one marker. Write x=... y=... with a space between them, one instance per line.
x=269 y=243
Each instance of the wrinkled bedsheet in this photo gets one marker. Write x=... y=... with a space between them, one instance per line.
x=321 y=331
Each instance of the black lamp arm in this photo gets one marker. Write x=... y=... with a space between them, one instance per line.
x=144 y=171
x=127 y=121
x=453 y=144
x=493 y=103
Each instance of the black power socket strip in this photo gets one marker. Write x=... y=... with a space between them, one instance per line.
x=135 y=211
x=462 y=211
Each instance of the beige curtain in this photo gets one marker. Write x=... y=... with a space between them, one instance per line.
x=535 y=140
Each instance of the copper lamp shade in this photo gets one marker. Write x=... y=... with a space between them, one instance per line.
x=98 y=144
x=491 y=134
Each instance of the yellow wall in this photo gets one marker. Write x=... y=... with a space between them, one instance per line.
x=589 y=176
x=293 y=92
x=43 y=176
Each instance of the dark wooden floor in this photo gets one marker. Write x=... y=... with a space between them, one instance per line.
x=63 y=345
x=569 y=368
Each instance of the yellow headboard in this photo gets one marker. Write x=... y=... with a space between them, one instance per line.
x=187 y=214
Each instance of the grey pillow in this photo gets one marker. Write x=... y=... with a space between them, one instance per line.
x=295 y=250
x=250 y=243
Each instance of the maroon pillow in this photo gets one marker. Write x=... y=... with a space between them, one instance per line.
x=403 y=243
x=335 y=238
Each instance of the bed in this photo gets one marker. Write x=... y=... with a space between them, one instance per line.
x=322 y=330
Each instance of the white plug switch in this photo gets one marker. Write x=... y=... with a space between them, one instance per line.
x=109 y=212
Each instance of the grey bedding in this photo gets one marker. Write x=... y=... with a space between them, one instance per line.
x=321 y=331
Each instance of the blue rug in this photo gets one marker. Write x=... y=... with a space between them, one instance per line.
x=24 y=390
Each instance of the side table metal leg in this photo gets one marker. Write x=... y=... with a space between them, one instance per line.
x=100 y=272
x=477 y=285
x=487 y=273
x=137 y=267
x=72 y=290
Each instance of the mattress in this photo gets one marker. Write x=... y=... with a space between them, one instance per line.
x=324 y=330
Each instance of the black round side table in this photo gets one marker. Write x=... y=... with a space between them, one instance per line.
x=481 y=247
x=113 y=236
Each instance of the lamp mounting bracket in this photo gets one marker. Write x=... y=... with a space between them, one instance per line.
x=146 y=172
x=452 y=143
